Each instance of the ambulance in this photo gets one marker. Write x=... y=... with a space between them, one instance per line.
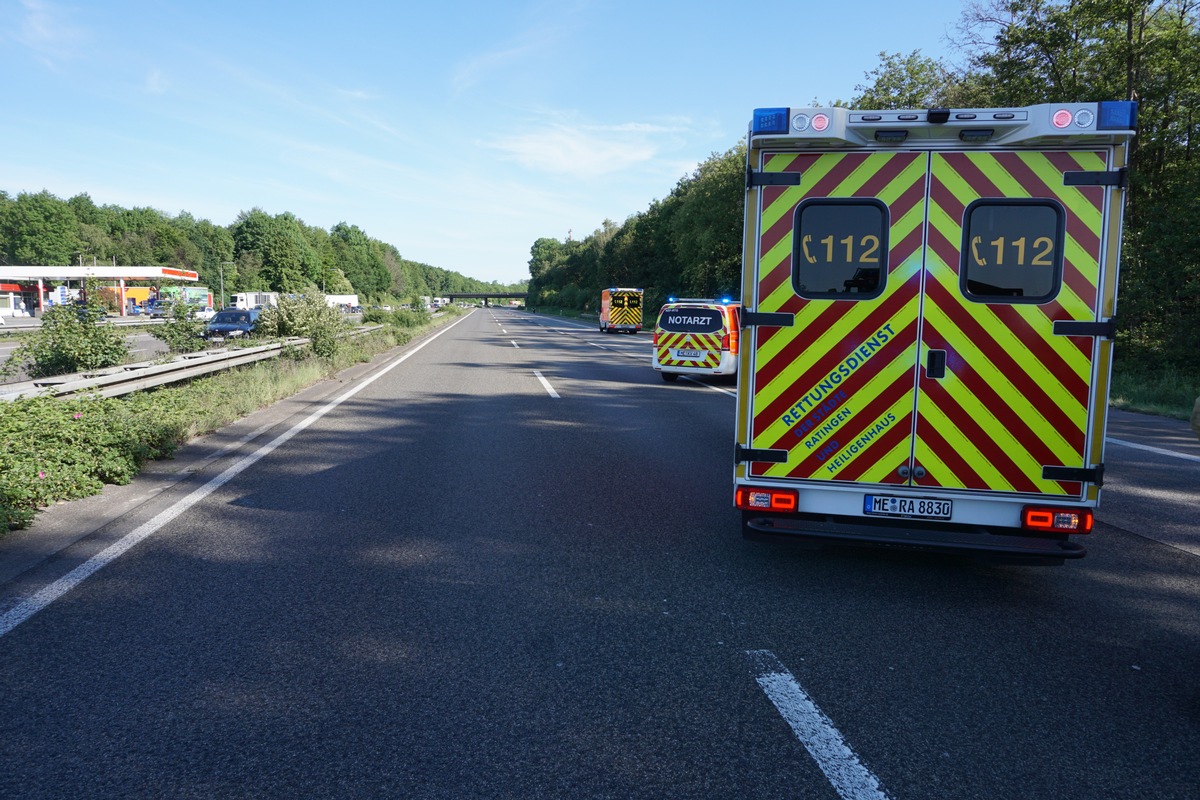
x=697 y=337
x=621 y=310
x=928 y=322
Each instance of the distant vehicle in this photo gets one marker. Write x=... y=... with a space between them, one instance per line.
x=341 y=300
x=208 y=312
x=621 y=310
x=195 y=295
x=231 y=323
x=255 y=299
x=697 y=337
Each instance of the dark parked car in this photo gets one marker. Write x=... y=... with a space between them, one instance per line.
x=231 y=323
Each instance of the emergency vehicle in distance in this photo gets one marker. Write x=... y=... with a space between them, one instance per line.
x=928 y=311
x=697 y=337
x=621 y=310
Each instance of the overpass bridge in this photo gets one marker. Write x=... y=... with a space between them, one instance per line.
x=486 y=296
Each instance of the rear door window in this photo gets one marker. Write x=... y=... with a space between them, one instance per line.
x=690 y=320
x=840 y=246
x=1012 y=251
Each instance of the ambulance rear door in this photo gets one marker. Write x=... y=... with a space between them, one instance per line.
x=837 y=284
x=932 y=318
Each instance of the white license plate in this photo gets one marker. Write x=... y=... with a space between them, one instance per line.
x=692 y=354
x=885 y=505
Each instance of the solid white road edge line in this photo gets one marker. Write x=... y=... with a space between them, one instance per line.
x=815 y=731
x=48 y=594
x=546 y=384
x=1149 y=449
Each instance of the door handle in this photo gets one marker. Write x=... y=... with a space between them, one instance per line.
x=935 y=364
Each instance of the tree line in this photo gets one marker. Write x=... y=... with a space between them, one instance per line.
x=1015 y=53
x=256 y=252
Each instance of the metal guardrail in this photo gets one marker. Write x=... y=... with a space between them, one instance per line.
x=128 y=378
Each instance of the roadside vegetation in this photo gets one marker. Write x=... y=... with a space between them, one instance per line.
x=69 y=340
x=183 y=331
x=64 y=449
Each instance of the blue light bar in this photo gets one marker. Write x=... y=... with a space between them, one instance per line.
x=1117 y=115
x=769 y=120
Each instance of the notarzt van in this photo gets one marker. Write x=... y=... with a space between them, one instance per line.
x=621 y=310
x=929 y=299
x=697 y=337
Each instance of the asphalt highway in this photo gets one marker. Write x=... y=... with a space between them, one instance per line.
x=503 y=563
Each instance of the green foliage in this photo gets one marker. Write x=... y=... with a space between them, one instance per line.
x=183 y=332
x=70 y=339
x=37 y=229
x=690 y=243
x=911 y=81
x=401 y=318
x=65 y=449
x=306 y=316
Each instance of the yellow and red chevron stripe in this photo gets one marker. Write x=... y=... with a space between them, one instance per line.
x=1016 y=396
x=803 y=402
x=707 y=344
x=625 y=316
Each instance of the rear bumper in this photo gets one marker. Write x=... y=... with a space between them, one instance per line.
x=728 y=366
x=990 y=543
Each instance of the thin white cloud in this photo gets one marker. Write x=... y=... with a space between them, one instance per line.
x=48 y=32
x=586 y=151
x=157 y=83
x=471 y=72
x=356 y=94
x=551 y=24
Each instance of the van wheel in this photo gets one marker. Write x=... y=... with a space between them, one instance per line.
x=669 y=377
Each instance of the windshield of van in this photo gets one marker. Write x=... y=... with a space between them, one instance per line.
x=242 y=317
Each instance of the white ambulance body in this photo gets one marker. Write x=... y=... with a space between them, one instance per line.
x=928 y=299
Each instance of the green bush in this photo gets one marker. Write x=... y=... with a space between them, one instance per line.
x=183 y=332
x=401 y=318
x=69 y=340
x=65 y=449
x=306 y=316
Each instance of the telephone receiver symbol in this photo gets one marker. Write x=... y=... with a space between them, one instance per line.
x=804 y=246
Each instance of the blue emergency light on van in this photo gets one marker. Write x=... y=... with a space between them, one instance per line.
x=1117 y=115
x=769 y=120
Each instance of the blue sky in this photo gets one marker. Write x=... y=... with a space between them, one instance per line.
x=459 y=131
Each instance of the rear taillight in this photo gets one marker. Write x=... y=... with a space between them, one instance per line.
x=733 y=341
x=750 y=498
x=1057 y=520
x=655 y=342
